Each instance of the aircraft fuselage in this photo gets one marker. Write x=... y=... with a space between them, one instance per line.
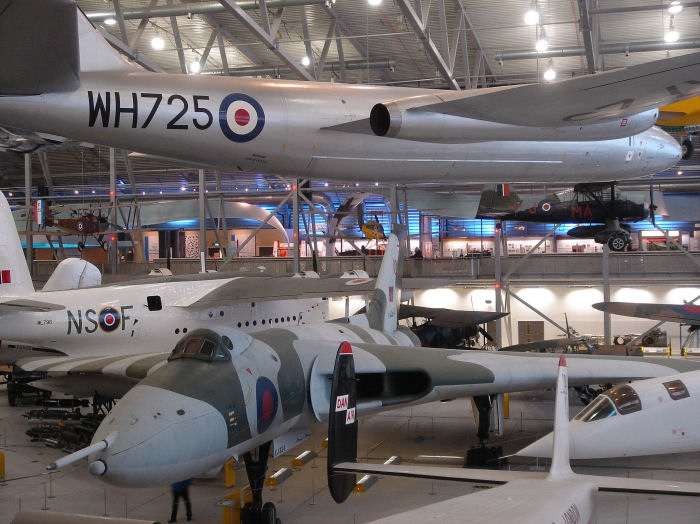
x=278 y=127
x=117 y=319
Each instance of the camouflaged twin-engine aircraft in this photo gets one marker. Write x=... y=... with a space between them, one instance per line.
x=223 y=394
x=61 y=78
x=526 y=497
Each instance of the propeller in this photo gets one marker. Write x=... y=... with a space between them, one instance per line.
x=652 y=206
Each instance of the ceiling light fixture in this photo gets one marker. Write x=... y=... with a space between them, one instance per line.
x=374 y=2
x=112 y=21
x=542 y=44
x=305 y=61
x=157 y=43
x=195 y=67
x=532 y=17
x=550 y=74
x=672 y=35
x=675 y=7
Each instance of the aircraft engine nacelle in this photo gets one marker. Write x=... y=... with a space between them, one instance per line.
x=378 y=388
x=399 y=119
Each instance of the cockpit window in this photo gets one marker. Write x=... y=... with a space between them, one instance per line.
x=207 y=349
x=676 y=389
x=192 y=345
x=625 y=398
x=202 y=344
x=602 y=407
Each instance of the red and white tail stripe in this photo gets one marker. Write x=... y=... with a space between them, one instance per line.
x=5 y=277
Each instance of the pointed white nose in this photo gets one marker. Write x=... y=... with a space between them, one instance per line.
x=163 y=437
x=663 y=152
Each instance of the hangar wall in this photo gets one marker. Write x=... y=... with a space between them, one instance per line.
x=575 y=301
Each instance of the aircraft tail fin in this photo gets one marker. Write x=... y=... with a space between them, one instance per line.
x=382 y=312
x=15 y=279
x=38 y=46
x=342 y=424
x=560 y=449
x=96 y=54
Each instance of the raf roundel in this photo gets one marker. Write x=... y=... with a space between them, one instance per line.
x=109 y=319
x=267 y=399
x=241 y=117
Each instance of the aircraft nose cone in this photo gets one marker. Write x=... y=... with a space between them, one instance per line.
x=665 y=150
x=162 y=437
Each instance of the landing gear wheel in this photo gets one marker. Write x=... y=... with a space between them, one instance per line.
x=269 y=514
x=104 y=245
x=617 y=242
x=687 y=149
x=81 y=246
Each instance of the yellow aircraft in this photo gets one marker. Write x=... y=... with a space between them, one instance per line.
x=682 y=117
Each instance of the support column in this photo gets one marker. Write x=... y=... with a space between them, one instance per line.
x=28 y=204
x=202 y=222
x=607 y=328
x=113 y=248
x=394 y=206
x=295 y=219
x=497 y=277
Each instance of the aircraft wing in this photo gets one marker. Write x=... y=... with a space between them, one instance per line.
x=631 y=485
x=683 y=313
x=430 y=373
x=488 y=476
x=82 y=376
x=412 y=375
x=246 y=289
x=451 y=318
x=29 y=305
x=591 y=99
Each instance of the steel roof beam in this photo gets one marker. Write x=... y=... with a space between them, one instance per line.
x=234 y=41
x=603 y=49
x=178 y=42
x=468 y=26
x=343 y=29
x=269 y=40
x=350 y=65
x=590 y=35
x=422 y=31
x=631 y=9
x=195 y=8
x=130 y=53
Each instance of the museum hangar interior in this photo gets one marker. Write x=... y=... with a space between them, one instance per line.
x=536 y=254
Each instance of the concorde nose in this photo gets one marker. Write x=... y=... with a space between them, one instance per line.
x=162 y=437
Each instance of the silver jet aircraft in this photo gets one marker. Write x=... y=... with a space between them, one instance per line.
x=663 y=409
x=61 y=77
x=225 y=394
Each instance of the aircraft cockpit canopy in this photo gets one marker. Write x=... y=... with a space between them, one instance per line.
x=203 y=344
x=622 y=400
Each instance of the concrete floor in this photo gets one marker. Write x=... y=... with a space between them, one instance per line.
x=433 y=429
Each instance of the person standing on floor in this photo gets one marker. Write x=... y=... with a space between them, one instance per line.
x=181 y=491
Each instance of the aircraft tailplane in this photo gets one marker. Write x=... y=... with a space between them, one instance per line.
x=342 y=424
x=560 y=449
x=38 y=46
x=15 y=279
x=382 y=312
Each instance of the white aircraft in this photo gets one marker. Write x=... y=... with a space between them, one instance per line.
x=560 y=497
x=234 y=394
x=60 y=77
x=647 y=417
